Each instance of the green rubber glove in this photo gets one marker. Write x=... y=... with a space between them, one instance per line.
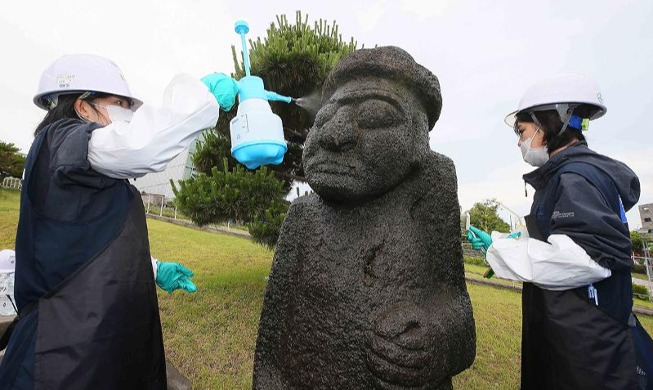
x=514 y=235
x=173 y=276
x=479 y=239
x=223 y=87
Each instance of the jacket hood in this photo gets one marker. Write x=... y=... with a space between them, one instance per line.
x=624 y=178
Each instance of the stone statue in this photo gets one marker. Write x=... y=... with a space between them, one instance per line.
x=367 y=286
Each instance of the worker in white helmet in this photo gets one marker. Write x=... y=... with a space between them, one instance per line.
x=574 y=259
x=84 y=283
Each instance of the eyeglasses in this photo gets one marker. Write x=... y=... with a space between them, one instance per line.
x=130 y=103
x=516 y=129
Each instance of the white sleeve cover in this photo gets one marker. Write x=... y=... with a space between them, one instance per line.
x=155 y=266
x=560 y=264
x=155 y=135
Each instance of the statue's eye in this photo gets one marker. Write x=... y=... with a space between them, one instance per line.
x=376 y=114
x=325 y=114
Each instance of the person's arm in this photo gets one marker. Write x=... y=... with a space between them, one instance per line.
x=585 y=243
x=558 y=264
x=583 y=215
x=155 y=135
x=172 y=276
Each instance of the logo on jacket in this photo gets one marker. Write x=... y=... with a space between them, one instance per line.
x=557 y=214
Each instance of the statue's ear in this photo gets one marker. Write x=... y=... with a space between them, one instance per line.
x=420 y=129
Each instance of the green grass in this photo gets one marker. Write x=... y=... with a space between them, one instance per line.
x=640 y=276
x=497 y=313
x=210 y=335
x=9 y=206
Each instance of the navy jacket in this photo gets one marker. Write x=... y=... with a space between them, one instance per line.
x=570 y=342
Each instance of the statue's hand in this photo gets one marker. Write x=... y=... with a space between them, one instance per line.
x=397 y=352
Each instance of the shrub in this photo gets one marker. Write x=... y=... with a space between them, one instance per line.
x=474 y=260
x=641 y=292
x=639 y=269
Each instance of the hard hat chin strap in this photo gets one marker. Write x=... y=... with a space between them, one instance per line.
x=564 y=110
x=569 y=119
x=534 y=118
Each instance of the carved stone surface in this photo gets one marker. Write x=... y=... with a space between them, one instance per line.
x=367 y=286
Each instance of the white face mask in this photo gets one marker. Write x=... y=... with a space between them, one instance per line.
x=534 y=156
x=119 y=114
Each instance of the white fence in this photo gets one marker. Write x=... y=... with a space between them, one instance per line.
x=158 y=205
x=12 y=182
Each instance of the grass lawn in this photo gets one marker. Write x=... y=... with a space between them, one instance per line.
x=640 y=276
x=210 y=335
x=9 y=206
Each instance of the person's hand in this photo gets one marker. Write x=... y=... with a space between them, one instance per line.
x=223 y=87
x=173 y=276
x=479 y=239
x=514 y=235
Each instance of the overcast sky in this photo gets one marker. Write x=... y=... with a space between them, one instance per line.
x=485 y=53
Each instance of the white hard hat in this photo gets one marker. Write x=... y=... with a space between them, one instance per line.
x=79 y=73
x=559 y=92
x=7 y=261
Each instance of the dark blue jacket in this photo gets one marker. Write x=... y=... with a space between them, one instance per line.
x=570 y=342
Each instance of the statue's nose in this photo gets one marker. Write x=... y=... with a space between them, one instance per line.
x=338 y=133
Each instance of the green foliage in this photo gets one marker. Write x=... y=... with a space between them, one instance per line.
x=265 y=227
x=637 y=242
x=12 y=162
x=212 y=151
x=485 y=217
x=251 y=197
x=293 y=60
x=639 y=269
x=475 y=260
x=640 y=291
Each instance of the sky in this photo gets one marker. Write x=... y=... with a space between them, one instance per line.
x=486 y=53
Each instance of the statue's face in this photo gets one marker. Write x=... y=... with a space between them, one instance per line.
x=363 y=142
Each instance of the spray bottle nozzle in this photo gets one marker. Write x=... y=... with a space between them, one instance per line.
x=276 y=97
x=252 y=87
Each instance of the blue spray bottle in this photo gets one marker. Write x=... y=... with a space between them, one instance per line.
x=256 y=132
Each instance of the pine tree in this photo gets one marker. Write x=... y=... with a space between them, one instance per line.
x=292 y=60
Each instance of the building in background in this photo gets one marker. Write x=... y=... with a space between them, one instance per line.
x=158 y=183
x=646 y=215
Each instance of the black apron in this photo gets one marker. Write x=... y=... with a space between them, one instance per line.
x=568 y=342
x=100 y=327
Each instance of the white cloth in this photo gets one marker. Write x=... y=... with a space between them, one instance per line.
x=7 y=275
x=155 y=266
x=7 y=261
x=559 y=264
x=155 y=135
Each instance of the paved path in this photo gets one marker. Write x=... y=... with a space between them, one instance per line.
x=643 y=282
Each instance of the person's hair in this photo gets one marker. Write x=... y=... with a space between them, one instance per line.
x=65 y=108
x=551 y=126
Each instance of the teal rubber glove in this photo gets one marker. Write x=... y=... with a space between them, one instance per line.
x=223 y=87
x=479 y=239
x=174 y=276
x=514 y=235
